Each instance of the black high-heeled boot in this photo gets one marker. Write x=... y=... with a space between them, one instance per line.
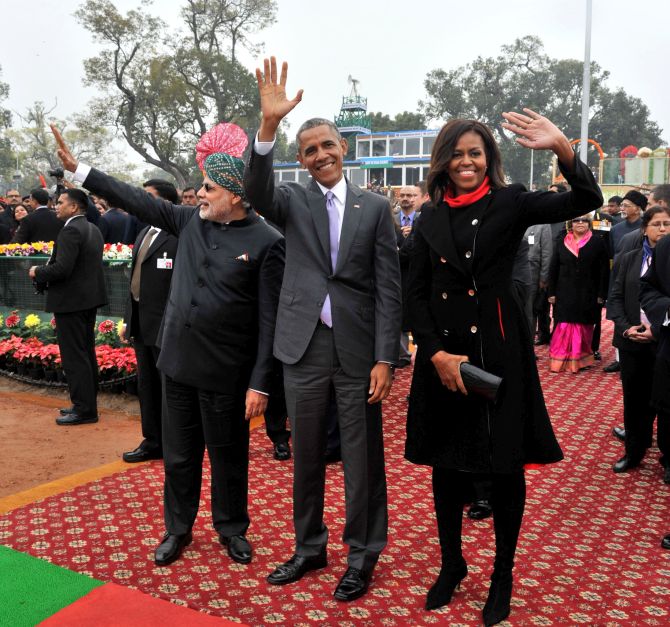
x=508 y=501
x=497 y=605
x=442 y=590
x=449 y=500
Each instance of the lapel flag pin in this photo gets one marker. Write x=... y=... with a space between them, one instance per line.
x=243 y=257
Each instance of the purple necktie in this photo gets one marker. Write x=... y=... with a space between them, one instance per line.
x=334 y=229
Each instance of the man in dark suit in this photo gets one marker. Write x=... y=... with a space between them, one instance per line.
x=42 y=224
x=154 y=255
x=76 y=288
x=114 y=227
x=338 y=324
x=215 y=340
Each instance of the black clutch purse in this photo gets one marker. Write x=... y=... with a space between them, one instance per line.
x=480 y=382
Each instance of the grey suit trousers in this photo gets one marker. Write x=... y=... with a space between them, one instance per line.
x=307 y=385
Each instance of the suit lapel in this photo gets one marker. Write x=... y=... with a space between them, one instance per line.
x=436 y=230
x=317 y=206
x=158 y=241
x=352 y=216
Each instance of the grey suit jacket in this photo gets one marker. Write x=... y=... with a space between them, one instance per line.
x=364 y=288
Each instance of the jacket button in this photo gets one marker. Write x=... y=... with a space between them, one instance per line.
x=443 y=260
x=444 y=296
x=445 y=332
x=475 y=222
x=188 y=325
x=471 y=292
x=201 y=283
x=473 y=329
x=468 y=254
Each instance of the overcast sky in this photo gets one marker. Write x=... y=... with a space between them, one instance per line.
x=388 y=46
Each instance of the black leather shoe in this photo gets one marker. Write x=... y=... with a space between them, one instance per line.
x=665 y=543
x=619 y=433
x=354 y=584
x=142 y=454
x=75 y=419
x=597 y=356
x=480 y=510
x=625 y=463
x=171 y=547
x=615 y=366
x=239 y=549
x=282 y=451
x=295 y=568
x=64 y=411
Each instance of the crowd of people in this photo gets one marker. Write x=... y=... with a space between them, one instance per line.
x=248 y=297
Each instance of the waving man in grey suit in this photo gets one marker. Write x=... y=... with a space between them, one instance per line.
x=338 y=324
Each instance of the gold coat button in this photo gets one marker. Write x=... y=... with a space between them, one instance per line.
x=475 y=222
x=468 y=254
x=443 y=260
x=473 y=329
x=444 y=296
x=471 y=292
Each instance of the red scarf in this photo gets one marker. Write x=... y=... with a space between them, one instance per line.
x=463 y=200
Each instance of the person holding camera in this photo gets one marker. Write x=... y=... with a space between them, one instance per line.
x=42 y=224
x=75 y=284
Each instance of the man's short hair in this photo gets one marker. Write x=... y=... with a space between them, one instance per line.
x=313 y=123
x=78 y=197
x=40 y=194
x=187 y=189
x=616 y=199
x=662 y=192
x=423 y=187
x=165 y=189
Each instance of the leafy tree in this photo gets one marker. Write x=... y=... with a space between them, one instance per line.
x=523 y=75
x=405 y=121
x=162 y=93
x=6 y=155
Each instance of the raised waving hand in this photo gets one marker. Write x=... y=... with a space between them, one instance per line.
x=275 y=105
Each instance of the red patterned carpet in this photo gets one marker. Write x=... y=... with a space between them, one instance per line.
x=589 y=552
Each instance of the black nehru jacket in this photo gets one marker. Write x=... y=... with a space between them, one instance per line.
x=218 y=328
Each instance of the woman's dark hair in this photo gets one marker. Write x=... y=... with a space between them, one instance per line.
x=443 y=152
x=650 y=213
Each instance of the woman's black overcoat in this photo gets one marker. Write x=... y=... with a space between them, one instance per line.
x=468 y=307
x=578 y=282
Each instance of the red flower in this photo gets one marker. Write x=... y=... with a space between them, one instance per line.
x=106 y=326
x=53 y=323
x=13 y=320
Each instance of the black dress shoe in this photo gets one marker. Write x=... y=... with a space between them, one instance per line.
x=354 y=584
x=75 y=419
x=282 y=451
x=64 y=411
x=497 y=606
x=597 y=356
x=619 y=433
x=442 y=590
x=332 y=457
x=625 y=463
x=142 y=454
x=665 y=543
x=480 y=510
x=238 y=547
x=171 y=547
x=295 y=568
x=615 y=366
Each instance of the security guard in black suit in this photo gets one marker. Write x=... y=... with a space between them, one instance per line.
x=154 y=255
x=76 y=288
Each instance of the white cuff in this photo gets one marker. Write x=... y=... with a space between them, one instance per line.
x=263 y=148
x=666 y=322
x=259 y=392
x=81 y=173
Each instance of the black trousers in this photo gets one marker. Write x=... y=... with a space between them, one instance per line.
x=452 y=489
x=76 y=340
x=275 y=413
x=150 y=394
x=637 y=373
x=597 y=333
x=308 y=384
x=194 y=419
x=637 y=380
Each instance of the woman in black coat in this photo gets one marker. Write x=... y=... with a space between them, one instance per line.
x=463 y=307
x=637 y=348
x=578 y=280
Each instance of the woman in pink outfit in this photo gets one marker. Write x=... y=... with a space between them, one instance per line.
x=578 y=278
